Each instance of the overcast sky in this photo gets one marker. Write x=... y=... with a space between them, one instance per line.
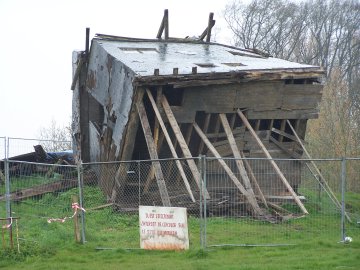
x=38 y=37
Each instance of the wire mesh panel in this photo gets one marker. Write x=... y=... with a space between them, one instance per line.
x=352 y=199
x=251 y=204
x=2 y=147
x=41 y=197
x=114 y=191
x=21 y=146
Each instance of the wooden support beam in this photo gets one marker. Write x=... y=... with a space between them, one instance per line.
x=127 y=146
x=184 y=147
x=151 y=174
x=217 y=127
x=232 y=121
x=205 y=129
x=171 y=146
x=286 y=150
x=272 y=162
x=153 y=154
x=250 y=197
x=164 y=25
x=322 y=179
x=287 y=135
x=257 y=124
x=236 y=153
x=282 y=129
x=253 y=179
x=207 y=31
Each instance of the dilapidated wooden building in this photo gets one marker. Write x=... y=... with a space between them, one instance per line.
x=137 y=99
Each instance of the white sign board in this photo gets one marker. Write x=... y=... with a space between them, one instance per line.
x=163 y=228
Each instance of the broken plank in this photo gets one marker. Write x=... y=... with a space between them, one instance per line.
x=272 y=162
x=153 y=154
x=171 y=146
x=184 y=147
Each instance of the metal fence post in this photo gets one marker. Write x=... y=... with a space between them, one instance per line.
x=343 y=181
x=201 y=203
x=82 y=214
x=203 y=158
x=7 y=191
x=202 y=198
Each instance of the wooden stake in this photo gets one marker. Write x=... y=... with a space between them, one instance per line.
x=251 y=199
x=184 y=147
x=172 y=148
x=153 y=154
x=75 y=199
x=272 y=162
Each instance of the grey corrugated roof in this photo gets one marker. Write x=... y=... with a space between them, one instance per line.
x=143 y=56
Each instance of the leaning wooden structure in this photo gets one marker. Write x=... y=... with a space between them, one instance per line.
x=138 y=99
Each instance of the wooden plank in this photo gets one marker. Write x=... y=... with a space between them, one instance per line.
x=287 y=135
x=273 y=163
x=184 y=147
x=282 y=129
x=254 y=180
x=127 y=146
x=153 y=154
x=171 y=146
x=286 y=150
x=239 y=162
x=323 y=180
x=151 y=174
x=251 y=199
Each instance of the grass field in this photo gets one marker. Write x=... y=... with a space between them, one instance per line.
x=113 y=240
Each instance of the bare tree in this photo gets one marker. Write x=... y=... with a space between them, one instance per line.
x=317 y=32
x=55 y=138
x=320 y=32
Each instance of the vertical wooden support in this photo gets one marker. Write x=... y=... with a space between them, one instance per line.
x=75 y=199
x=257 y=124
x=282 y=128
x=251 y=198
x=210 y=25
x=184 y=147
x=172 y=149
x=232 y=121
x=205 y=129
x=153 y=154
x=217 y=128
x=272 y=162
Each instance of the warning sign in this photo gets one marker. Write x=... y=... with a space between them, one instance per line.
x=163 y=228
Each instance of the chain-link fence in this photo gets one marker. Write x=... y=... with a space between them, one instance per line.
x=228 y=201
x=20 y=146
x=2 y=147
x=114 y=191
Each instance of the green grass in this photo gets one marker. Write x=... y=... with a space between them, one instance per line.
x=313 y=240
